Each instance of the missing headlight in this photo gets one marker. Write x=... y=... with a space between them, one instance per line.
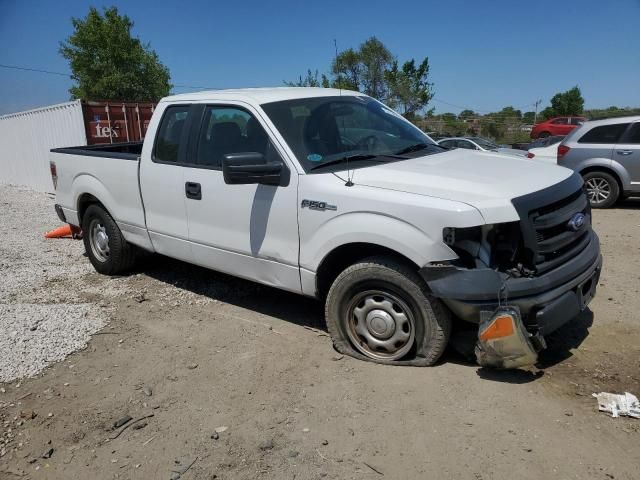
x=496 y=246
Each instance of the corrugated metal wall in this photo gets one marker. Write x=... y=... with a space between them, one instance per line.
x=27 y=137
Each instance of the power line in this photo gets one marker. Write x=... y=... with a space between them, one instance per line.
x=14 y=67
x=193 y=87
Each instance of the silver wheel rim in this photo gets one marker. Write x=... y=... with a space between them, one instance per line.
x=99 y=240
x=380 y=325
x=598 y=190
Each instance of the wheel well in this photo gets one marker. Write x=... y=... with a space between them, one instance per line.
x=84 y=201
x=605 y=170
x=345 y=255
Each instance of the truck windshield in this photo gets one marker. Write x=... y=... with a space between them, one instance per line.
x=323 y=130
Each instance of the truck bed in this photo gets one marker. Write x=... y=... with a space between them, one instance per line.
x=105 y=172
x=129 y=150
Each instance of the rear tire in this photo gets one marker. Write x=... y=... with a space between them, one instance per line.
x=379 y=310
x=108 y=251
x=603 y=189
x=544 y=135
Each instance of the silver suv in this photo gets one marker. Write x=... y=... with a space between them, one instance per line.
x=607 y=155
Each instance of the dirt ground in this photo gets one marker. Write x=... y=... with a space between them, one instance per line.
x=200 y=351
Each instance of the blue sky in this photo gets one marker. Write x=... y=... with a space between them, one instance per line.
x=483 y=54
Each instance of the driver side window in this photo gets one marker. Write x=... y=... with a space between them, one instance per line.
x=228 y=129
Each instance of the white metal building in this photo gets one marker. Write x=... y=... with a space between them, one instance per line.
x=27 y=137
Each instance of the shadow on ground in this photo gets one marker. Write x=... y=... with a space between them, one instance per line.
x=308 y=312
x=266 y=300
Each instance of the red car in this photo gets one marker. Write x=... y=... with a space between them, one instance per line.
x=556 y=126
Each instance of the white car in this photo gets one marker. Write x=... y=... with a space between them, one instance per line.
x=478 y=143
x=547 y=153
x=331 y=194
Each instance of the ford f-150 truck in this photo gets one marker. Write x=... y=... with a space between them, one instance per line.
x=331 y=194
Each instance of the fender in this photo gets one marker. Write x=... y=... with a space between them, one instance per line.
x=127 y=214
x=623 y=174
x=375 y=228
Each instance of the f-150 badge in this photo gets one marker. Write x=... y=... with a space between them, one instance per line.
x=315 y=205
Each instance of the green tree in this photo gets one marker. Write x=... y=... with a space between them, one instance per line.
x=310 y=80
x=409 y=88
x=466 y=114
x=109 y=64
x=565 y=103
x=364 y=70
x=528 y=117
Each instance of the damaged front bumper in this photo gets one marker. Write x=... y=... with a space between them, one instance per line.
x=544 y=303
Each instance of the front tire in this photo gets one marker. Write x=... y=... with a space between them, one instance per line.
x=602 y=189
x=379 y=310
x=108 y=251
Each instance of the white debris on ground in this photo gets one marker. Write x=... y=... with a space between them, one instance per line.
x=30 y=269
x=626 y=405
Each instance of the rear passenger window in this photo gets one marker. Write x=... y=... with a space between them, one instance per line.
x=170 y=133
x=604 y=134
x=228 y=130
x=633 y=135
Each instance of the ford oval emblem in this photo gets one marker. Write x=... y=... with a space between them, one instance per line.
x=577 y=222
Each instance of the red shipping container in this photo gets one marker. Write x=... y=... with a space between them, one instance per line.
x=116 y=122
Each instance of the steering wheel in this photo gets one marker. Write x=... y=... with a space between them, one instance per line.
x=367 y=143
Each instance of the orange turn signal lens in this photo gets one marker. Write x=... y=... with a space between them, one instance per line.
x=501 y=326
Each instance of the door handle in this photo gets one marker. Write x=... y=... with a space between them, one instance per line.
x=625 y=152
x=193 y=190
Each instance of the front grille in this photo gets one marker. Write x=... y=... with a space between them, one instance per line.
x=555 y=242
x=544 y=218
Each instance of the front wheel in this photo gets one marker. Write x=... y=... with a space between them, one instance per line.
x=602 y=189
x=379 y=310
x=106 y=248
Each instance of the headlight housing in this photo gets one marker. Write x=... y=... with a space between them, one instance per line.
x=496 y=246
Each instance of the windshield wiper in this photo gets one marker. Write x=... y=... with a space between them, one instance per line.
x=418 y=146
x=356 y=157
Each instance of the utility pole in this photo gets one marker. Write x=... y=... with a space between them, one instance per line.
x=535 y=116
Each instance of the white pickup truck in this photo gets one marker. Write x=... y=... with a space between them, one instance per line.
x=331 y=194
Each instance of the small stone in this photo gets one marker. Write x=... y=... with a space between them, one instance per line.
x=139 y=425
x=147 y=391
x=337 y=358
x=215 y=436
x=49 y=414
x=33 y=328
x=221 y=429
x=66 y=384
x=192 y=366
x=28 y=414
x=266 y=445
x=48 y=453
x=122 y=421
x=306 y=430
x=569 y=413
x=325 y=442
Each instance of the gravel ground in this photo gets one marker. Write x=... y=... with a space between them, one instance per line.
x=36 y=328
x=242 y=381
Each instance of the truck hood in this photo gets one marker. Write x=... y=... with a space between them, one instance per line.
x=484 y=180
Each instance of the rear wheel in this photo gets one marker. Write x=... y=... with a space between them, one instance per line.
x=602 y=189
x=544 y=135
x=379 y=310
x=106 y=248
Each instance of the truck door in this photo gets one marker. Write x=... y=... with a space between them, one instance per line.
x=249 y=231
x=627 y=153
x=162 y=183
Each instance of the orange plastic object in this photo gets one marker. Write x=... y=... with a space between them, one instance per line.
x=60 y=232
x=501 y=326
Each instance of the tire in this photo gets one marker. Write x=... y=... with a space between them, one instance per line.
x=379 y=310
x=602 y=188
x=544 y=134
x=108 y=251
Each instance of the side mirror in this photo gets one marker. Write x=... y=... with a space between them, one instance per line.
x=251 y=167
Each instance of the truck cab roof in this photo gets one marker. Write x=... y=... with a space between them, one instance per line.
x=260 y=95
